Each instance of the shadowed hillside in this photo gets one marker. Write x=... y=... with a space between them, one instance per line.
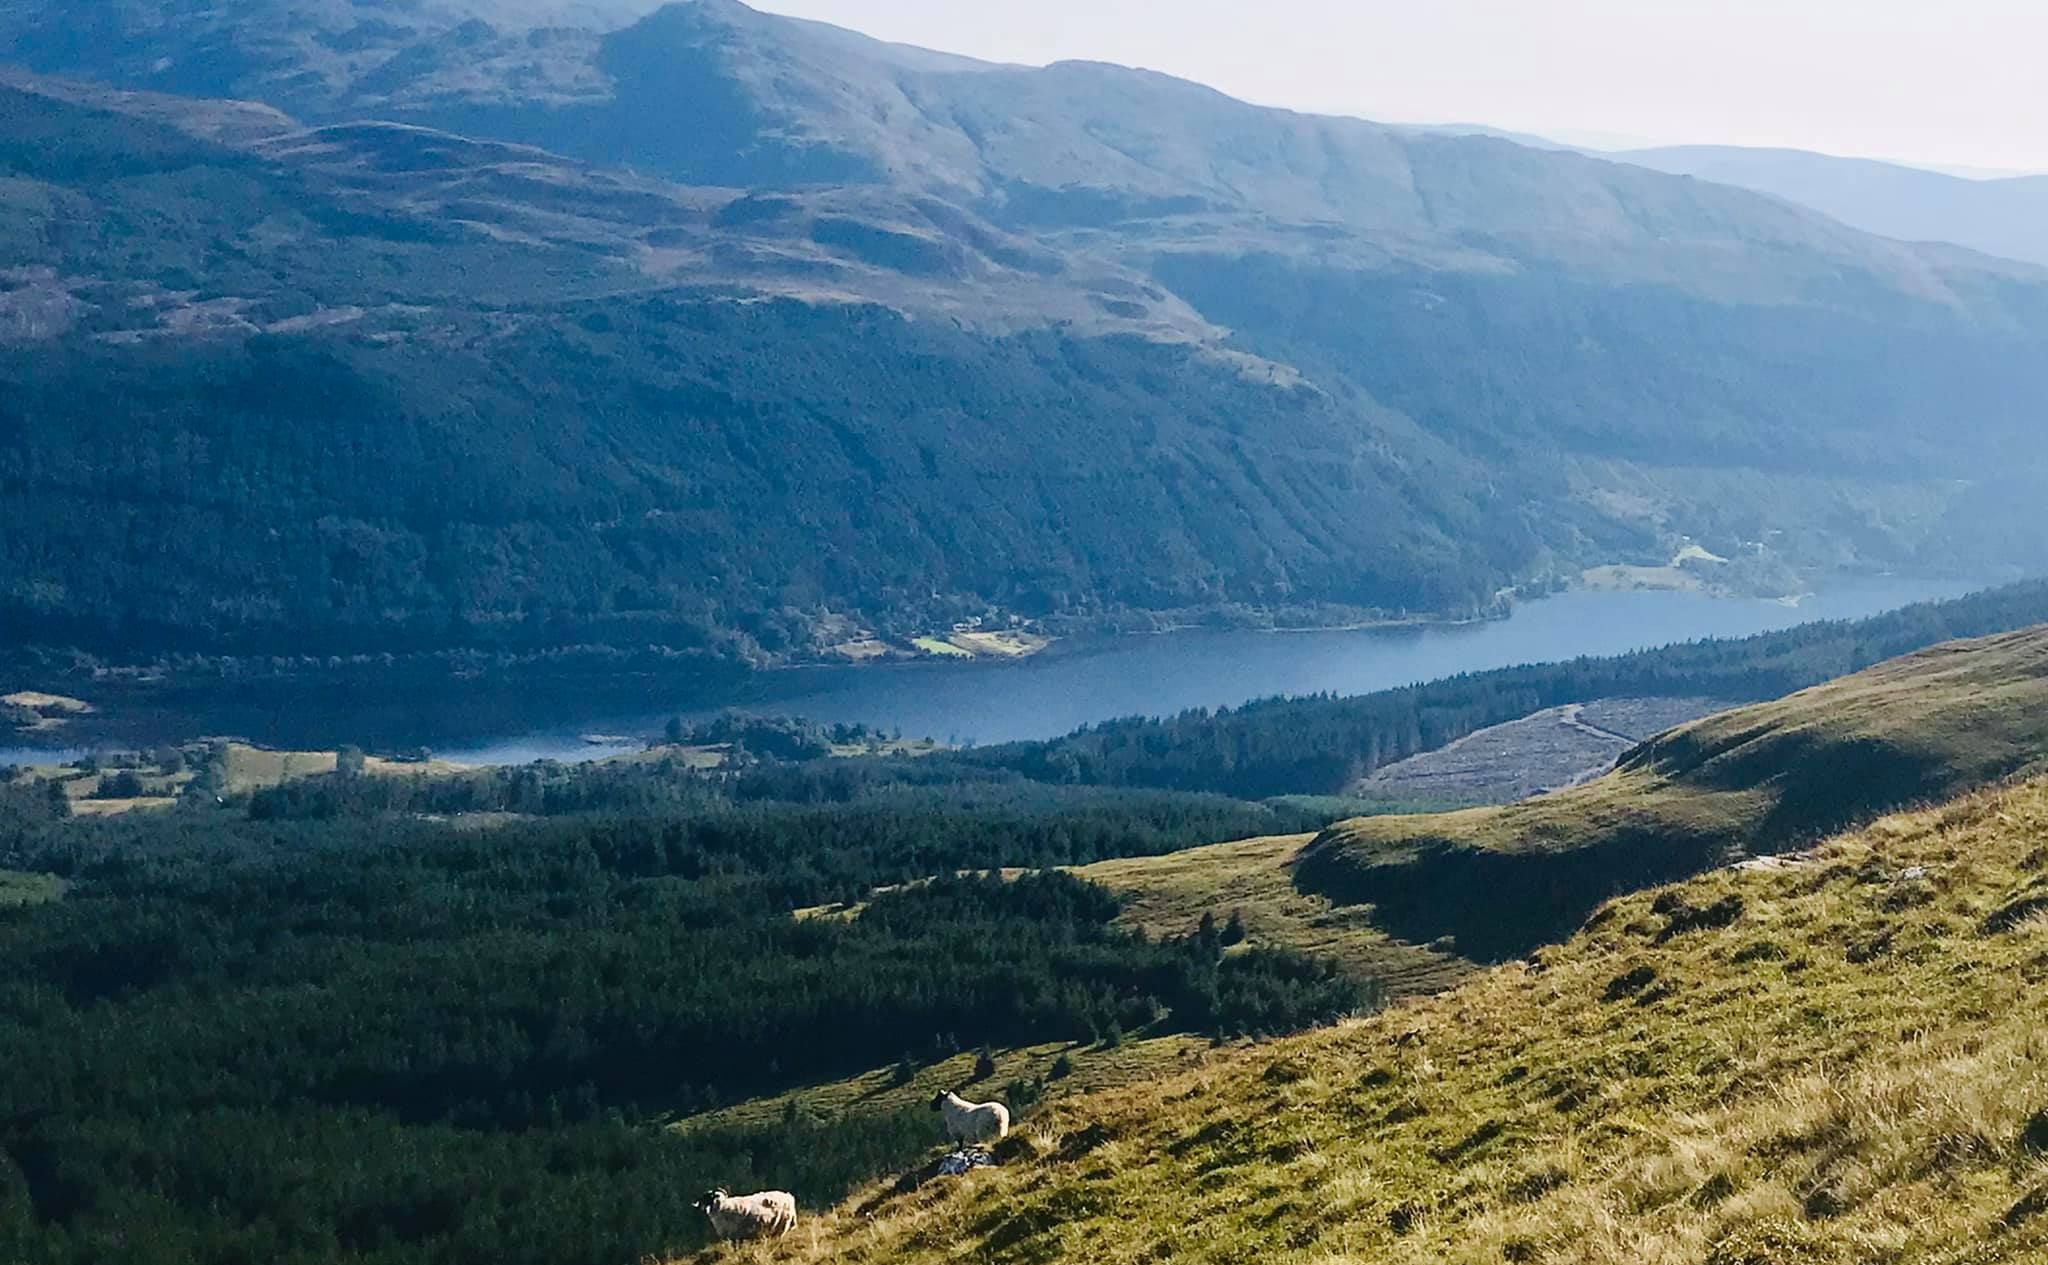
x=1760 y=780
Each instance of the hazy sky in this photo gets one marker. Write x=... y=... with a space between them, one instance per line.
x=1960 y=82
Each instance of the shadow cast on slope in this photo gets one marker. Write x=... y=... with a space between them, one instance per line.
x=1525 y=887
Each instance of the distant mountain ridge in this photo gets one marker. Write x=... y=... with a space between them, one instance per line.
x=1997 y=212
x=2007 y=217
x=733 y=333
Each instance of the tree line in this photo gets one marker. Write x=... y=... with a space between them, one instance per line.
x=368 y=1035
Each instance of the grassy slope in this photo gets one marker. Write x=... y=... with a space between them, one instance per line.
x=1167 y=895
x=1762 y=778
x=876 y=1092
x=1254 y=878
x=1851 y=1069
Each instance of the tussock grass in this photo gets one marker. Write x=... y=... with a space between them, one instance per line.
x=1852 y=1068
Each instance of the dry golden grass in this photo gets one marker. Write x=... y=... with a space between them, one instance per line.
x=1254 y=878
x=700 y=758
x=253 y=768
x=116 y=807
x=1838 y=1062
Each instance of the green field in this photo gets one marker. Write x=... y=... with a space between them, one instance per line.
x=17 y=888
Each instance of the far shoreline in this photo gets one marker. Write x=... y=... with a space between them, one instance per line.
x=451 y=704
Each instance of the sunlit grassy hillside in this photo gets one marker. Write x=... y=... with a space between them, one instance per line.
x=1840 y=1060
x=1252 y=880
x=1053 y=1068
x=1499 y=881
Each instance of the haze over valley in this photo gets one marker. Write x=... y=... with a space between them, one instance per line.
x=1013 y=657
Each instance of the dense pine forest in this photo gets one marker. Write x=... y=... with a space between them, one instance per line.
x=366 y=1035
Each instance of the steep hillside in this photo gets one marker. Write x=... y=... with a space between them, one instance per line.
x=2006 y=217
x=457 y=337
x=1757 y=780
x=1251 y=882
x=1837 y=1061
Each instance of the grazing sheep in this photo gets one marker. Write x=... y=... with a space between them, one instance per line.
x=972 y=1121
x=768 y=1215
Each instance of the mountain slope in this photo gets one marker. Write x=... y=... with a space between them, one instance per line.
x=1753 y=781
x=404 y=390
x=1251 y=880
x=733 y=334
x=2006 y=217
x=1842 y=1065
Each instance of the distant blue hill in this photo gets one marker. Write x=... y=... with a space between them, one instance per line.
x=2007 y=217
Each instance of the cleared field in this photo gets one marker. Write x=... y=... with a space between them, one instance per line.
x=1000 y=645
x=115 y=807
x=1547 y=751
x=33 y=711
x=893 y=746
x=1621 y=578
x=254 y=768
x=17 y=888
x=242 y=769
x=701 y=758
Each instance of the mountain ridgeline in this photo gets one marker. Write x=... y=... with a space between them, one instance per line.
x=335 y=327
x=2006 y=216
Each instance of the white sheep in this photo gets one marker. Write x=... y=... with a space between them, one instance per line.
x=972 y=1121
x=768 y=1215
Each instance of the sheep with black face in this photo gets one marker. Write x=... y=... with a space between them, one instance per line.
x=972 y=1121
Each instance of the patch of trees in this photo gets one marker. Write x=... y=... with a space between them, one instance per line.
x=372 y=1037
x=816 y=832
